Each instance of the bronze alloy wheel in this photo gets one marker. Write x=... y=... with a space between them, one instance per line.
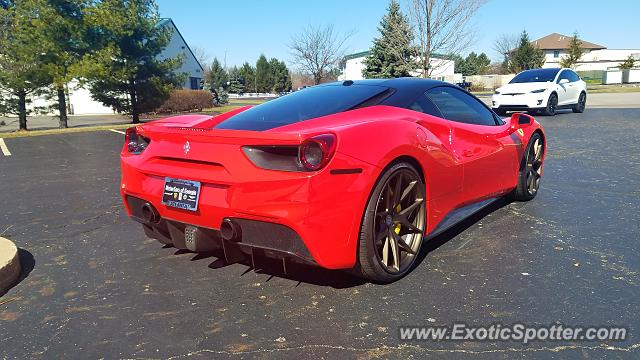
x=399 y=221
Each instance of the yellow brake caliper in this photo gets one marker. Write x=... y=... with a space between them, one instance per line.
x=397 y=227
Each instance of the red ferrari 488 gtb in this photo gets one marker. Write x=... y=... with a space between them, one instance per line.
x=349 y=175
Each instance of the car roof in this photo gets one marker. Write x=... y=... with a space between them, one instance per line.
x=405 y=85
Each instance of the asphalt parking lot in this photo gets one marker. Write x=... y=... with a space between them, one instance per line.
x=95 y=287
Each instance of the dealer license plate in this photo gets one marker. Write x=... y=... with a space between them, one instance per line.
x=182 y=194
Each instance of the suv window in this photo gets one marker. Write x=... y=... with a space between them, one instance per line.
x=573 y=77
x=457 y=105
x=564 y=75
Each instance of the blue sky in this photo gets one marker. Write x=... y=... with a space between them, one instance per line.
x=241 y=30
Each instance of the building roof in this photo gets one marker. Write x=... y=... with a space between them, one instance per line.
x=166 y=22
x=557 y=41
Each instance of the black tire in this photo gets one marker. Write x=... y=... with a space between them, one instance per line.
x=370 y=264
x=530 y=169
x=581 y=104
x=552 y=105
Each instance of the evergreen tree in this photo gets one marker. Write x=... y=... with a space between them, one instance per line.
x=128 y=74
x=236 y=85
x=65 y=29
x=280 y=78
x=574 y=53
x=263 y=74
x=217 y=81
x=473 y=64
x=392 y=54
x=628 y=63
x=248 y=76
x=526 y=56
x=217 y=76
x=22 y=70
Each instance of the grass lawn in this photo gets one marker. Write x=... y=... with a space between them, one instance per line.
x=612 y=89
x=246 y=101
x=234 y=104
x=18 y=134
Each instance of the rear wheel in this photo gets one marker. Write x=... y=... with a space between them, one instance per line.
x=552 y=105
x=530 y=170
x=581 y=104
x=393 y=224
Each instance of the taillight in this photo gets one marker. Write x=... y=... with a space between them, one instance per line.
x=312 y=155
x=316 y=152
x=135 y=142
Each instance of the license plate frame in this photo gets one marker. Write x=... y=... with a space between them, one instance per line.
x=181 y=194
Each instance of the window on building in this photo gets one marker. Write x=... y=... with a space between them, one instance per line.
x=556 y=53
x=194 y=83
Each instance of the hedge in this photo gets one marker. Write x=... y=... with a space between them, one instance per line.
x=182 y=100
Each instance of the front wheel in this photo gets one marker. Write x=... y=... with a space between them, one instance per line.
x=581 y=104
x=393 y=225
x=552 y=105
x=530 y=170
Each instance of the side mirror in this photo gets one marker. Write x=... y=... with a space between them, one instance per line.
x=563 y=81
x=519 y=121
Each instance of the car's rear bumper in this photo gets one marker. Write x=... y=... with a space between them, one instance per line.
x=272 y=239
x=311 y=216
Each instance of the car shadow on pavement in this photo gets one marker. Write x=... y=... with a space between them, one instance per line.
x=27 y=264
x=339 y=279
x=300 y=273
x=439 y=240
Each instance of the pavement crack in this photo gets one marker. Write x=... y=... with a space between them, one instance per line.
x=416 y=348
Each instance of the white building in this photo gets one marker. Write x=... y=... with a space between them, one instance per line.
x=443 y=69
x=79 y=98
x=595 y=57
x=178 y=46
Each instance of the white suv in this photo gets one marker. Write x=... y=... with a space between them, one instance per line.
x=545 y=90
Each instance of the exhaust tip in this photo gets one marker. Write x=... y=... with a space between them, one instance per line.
x=230 y=230
x=150 y=213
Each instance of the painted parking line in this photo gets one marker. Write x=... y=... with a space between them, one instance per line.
x=117 y=131
x=4 y=148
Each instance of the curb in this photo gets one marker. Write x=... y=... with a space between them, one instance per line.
x=9 y=264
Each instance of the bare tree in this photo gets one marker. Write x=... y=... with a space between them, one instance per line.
x=204 y=58
x=317 y=51
x=441 y=27
x=504 y=45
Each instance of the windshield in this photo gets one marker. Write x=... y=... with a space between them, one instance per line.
x=537 y=75
x=303 y=105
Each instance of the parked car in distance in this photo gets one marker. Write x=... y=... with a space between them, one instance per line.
x=542 y=90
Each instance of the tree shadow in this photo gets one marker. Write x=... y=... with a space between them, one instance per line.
x=27 y=264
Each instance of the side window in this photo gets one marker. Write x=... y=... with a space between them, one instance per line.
x=564 y=75
x=424 y=105
x=573 y=77
x=456 y=105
